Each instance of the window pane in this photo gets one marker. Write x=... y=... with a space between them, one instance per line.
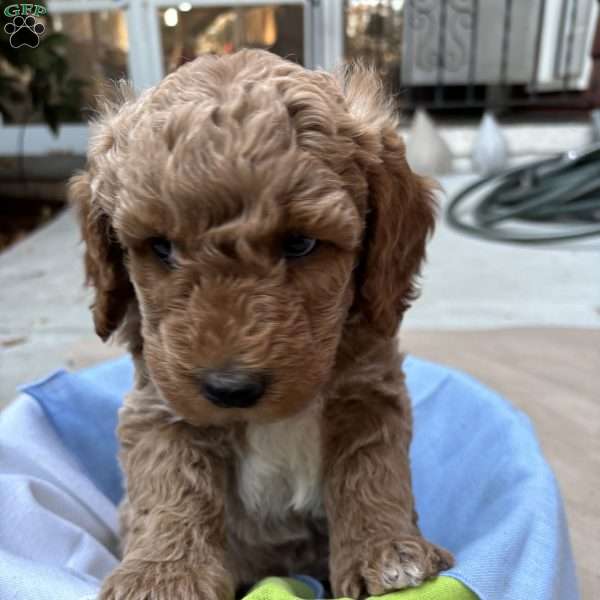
x=98 y=43
x=97 y=48
x=92 y=48
x=373 y=33
x=190 y=32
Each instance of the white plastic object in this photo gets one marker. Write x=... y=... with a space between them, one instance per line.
x=490 y=150
x=426 y=151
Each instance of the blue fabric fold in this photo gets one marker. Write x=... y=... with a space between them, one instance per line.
x=82 y=407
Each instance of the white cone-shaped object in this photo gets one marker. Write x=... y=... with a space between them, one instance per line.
x=594 y=130
x=426 y=151
x=490 y=150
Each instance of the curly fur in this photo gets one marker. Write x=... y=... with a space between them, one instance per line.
x=224 y=157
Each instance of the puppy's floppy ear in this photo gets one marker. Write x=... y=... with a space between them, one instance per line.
x=401 y=207
x=104 y=265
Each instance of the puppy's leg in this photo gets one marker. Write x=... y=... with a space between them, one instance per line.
x=375 y=543
x=174 y=544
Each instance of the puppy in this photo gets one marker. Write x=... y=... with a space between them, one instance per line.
x=253 y=233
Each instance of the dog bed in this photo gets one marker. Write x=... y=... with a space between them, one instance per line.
x=483 y=490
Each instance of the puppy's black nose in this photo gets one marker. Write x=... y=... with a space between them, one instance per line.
x=233 y=388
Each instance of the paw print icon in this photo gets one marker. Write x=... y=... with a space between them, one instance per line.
x=24 y=32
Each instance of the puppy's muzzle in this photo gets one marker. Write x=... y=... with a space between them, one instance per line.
x=233 y=388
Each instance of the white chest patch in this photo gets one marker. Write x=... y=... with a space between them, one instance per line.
x=281 y=467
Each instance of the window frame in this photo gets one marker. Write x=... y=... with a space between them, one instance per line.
x=323 y=48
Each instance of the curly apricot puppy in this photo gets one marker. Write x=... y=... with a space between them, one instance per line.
x=253 y=233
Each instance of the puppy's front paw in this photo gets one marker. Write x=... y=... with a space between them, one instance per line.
x=175 y=580
x=383 y=566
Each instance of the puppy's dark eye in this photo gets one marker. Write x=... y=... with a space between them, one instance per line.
x=296 y=245
x=163 y=249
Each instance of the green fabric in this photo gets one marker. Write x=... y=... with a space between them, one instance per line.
x=279 y=588
x=440 y=588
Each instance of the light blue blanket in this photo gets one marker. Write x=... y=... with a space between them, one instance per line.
x=482 y=487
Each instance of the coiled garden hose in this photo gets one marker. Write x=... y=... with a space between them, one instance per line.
x=551 y=200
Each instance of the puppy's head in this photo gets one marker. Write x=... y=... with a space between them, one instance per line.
x=239 y=219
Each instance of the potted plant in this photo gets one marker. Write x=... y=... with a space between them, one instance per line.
x=35 y=84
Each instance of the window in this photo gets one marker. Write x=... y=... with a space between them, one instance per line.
x=190 y=31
